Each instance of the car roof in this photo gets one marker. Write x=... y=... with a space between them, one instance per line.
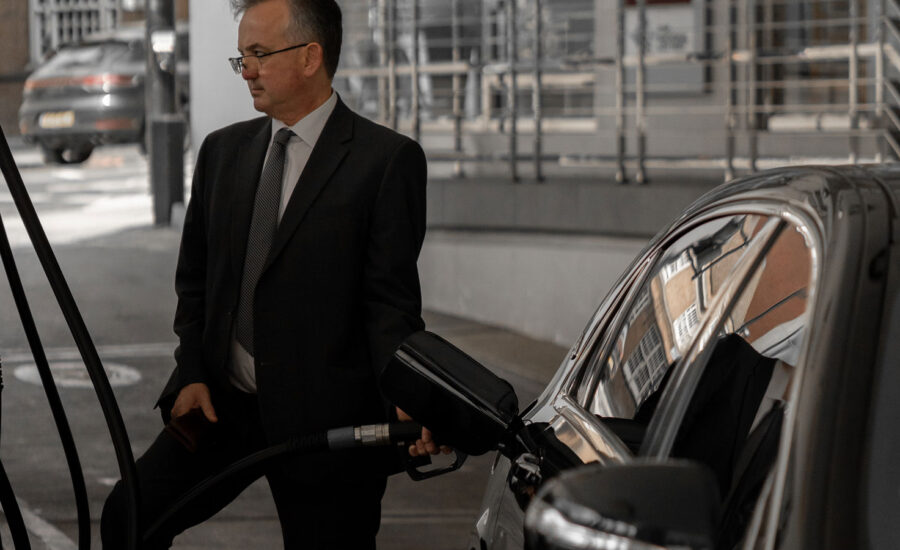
x=127 y=32
x=796 y=181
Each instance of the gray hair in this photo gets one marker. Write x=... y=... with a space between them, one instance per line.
x=311 y=20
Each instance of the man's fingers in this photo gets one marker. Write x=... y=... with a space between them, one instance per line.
x=426 y=445
x=194 y=396
x=402 y=416
x=208 y=410
x=428 y=441
x=180 y=408
x=421 y=448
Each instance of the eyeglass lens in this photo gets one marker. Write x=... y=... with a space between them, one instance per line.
x=249 y=62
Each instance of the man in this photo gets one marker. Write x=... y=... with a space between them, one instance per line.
x=296 y=281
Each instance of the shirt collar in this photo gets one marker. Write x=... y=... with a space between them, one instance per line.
x=309 y=127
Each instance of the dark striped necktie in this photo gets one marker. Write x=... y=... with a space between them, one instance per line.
x=262 y=230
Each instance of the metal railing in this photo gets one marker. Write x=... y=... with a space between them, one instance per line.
x=57 y=22
x=722 y=85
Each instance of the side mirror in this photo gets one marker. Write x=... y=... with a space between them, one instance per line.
x=464 y=404
x=642 y=505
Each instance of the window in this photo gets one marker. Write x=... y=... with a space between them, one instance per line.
x=663 y=317
x=57 y=22
x=700 y=361
x=743 y=373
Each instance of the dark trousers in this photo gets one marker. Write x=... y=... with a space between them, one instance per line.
x=314 y=514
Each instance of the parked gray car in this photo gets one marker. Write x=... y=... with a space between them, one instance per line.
x=736 y=388
x=92 y=93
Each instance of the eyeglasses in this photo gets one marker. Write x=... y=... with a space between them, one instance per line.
x=238 y=64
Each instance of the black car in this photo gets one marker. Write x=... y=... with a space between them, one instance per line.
x=92 y=93
x=734 y=390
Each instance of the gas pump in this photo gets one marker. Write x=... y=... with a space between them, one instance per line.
x=340 y=438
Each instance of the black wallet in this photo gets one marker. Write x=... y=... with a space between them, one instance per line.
x=192 y=429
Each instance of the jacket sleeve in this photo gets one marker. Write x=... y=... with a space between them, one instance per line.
x=393 y=298
x=190 y=282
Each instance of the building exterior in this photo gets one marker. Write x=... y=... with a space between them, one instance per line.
x=14 y=43
x=531 y=111
x=31 y=30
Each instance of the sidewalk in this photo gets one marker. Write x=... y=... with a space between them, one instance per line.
x=122 y=281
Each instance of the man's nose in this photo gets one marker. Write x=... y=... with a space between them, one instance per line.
x=249 y=73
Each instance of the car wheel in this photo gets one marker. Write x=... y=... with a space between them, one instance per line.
x=52 y=155
x=67 y=155
x=77 y=155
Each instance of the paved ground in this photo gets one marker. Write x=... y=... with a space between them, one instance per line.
x=119 y=267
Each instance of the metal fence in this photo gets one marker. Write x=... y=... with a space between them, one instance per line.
x=629 y=86
x=56 y=22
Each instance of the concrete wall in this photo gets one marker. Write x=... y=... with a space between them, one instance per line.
x=546 y=286
x=535 y=257
x=218 y=96
x=594 y=206
x=538 y=258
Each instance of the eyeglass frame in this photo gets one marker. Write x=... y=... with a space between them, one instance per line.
x=237 y=63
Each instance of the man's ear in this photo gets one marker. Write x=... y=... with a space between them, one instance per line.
x=315 y=58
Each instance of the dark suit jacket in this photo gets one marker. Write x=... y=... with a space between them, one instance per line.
x=339 y=291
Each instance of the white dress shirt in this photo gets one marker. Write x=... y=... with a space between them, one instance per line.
x=242 y=372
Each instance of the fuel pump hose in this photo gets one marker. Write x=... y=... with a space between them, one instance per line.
x=347 y=437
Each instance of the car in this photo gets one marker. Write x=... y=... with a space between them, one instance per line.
x=735 y=389
x=92 y=93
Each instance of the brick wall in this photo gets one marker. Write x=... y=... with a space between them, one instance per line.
x=14 y=45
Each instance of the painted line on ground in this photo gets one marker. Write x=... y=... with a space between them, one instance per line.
x=53 y=538
x=154 y=349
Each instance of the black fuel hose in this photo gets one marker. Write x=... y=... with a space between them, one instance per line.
x=13 y=513
x=8 y=502
x=56 y=406
x=348 y=437
x=88 y=352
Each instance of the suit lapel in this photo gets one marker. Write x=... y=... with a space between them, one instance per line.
x=328 y=153
x=251 y=154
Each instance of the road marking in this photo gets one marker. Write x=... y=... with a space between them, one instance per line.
x=70 y=174
x=53 y=538
x=69 y=370
x=73 y=374
x=155 y=349
x=101 y=217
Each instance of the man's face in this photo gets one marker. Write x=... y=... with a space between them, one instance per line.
x=276 y=83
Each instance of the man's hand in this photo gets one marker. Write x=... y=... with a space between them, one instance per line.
x=194 y=396
x=426 y=444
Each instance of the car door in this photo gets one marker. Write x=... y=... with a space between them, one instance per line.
x=727 y=290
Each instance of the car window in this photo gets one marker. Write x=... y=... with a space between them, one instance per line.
x=744 y=370
x=656 y=329
x=702 y=357
x=730 y=392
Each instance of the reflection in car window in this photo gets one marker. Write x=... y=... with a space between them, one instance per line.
x=733 y=420
x=747 y=282
x=769 y=314
x=666 y=313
